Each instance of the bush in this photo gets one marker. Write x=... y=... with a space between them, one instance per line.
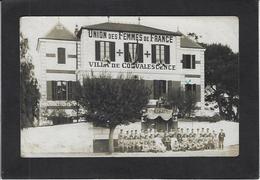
x=59 y=116
x=214 y=118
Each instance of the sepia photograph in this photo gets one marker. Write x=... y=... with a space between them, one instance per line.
x=129 y=86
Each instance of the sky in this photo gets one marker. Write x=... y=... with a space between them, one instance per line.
x=212 y=29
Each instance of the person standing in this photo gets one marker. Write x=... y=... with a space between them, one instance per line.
x=179 y=136
x=167 y=141
x=202 y=133
x=126 y=142
x=207 y=132
x=135 y=141
x=121 y=141
x=215 y=139
x=131 y=141
x=221 y=137
x=187 y=131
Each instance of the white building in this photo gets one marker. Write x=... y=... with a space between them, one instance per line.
x=167 y=61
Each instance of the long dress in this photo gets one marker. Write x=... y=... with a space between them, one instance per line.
x=173 y=139
x=159 y=145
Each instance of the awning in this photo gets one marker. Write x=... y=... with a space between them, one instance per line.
x=153 y=113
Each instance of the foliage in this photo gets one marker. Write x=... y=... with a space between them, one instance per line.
x=194 y=36
x=184 y=101
x=111 y=102
x=77 y=96
x=59 y=116
x=221 y=75
x=29 y=92
x=214 y=118
x=114 y=101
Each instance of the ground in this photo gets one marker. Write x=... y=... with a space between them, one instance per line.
x=229 y=151
x=72 y=140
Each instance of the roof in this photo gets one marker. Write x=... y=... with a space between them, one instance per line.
x=60 y=32
x=137 y=28
x=188 y=43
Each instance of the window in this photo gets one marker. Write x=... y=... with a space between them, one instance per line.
x=105 y=51
x=60 y=90
x=133 y=52
x=161 y=54
x=159 y=88
x=191 y=88
x=61 y=56
x=188 y=61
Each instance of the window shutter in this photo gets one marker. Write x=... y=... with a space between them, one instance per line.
x=126 y=51
x=184 y=61
x=54 y=90
x=163 y=86
x=140 y=53
x=49 y=90
x=153 y=54
x=69 y=84
x=73 y=90
x=188 y=61
x=186 y=87
x=97 y=50
x=167 y=54
x=149 y=84
x=156 y=85
x=176 y=87
x=61 y=56
x=170 y=89
x=112 y=51
x=193 y=61
x=198 y=93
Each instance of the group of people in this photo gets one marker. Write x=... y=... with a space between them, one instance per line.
x=176 y=140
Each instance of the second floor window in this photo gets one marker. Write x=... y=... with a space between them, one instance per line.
x=161 y=54
x=133 y=52
x=61 y=56
x=105 y=51
x=188 y=61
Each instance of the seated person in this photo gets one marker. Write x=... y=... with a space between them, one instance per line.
x=199 y=145
x=175 y=146
x=184 y=143
x=145 y=147
x=159 y=146
x=173 y=139
x=205 y=143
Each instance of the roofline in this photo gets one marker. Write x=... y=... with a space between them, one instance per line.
x=59 y=39
x=173 y=33
x=192 y=47
x=77 y=40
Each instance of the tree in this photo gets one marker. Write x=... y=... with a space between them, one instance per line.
x=77 y=96
x=221 y=78
x=112 y=102
x=194 y=36
x=29 y=92
x=184 y=101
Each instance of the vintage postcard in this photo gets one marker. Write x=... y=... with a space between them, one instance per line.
x=126 y=86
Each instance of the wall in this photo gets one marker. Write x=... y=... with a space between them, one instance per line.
x=192 y=76
x=51 y=63
x=199 y=70
x=88 y=54
x=103 y=133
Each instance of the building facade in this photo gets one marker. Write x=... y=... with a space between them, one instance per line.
x=167 y=61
